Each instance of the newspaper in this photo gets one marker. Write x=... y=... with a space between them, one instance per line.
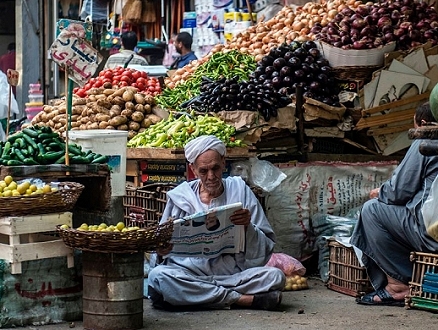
x=208 y=234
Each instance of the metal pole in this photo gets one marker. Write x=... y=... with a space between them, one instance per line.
x=54 y=65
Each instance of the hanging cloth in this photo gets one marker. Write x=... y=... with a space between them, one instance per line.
x=132 y=11
x=149 y=13
x=118 y=6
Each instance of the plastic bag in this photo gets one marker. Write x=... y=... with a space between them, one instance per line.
x=265 y=175
x=289 y=265
x=430 y=211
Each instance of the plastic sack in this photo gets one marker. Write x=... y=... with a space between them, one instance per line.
x=4 y=98
x=430 y=211
x=265 y=175
x=289 y=265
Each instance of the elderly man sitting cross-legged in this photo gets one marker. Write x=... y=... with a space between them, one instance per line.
x=230 y=279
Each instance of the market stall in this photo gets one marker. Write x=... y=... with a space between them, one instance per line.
x=334 y=78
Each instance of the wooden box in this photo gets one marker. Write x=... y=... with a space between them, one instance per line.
x=33 y=237
x=346 y=275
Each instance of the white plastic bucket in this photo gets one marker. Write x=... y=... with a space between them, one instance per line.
x=111 y=143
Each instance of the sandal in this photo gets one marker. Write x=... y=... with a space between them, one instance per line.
x=267 y=300
x=385 y=297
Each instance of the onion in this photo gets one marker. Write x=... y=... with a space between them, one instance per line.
x=405 y=25
x=398 y=32
x=388 y=37
x=385 y=20
x=358 y=23
x=363 y=10
x=359 y=45
x=429 y=34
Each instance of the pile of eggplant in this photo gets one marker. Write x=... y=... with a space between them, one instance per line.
x=229 y=94
x=298 y=64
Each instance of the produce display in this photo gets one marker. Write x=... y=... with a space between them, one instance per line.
x=121 y=77
x=41 y=146
x=9 y=187
x=119 y=227
x=409 y=23
x=228 y=65
x=104 y=108
x=180 y=128
x=288 y=66
x=287 y=25
x=230 y=94
x=296 y=282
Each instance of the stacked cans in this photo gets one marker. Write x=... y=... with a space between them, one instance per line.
x=36 y=101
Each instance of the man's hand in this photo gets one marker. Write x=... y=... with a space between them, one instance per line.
x=374 y=193
x=241 y=217
x=164 y=250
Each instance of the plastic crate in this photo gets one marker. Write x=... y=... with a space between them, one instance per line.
x=346 y=275
x=144 y=206
x=423 y=287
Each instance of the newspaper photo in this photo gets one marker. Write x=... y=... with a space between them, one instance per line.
x=208 y=234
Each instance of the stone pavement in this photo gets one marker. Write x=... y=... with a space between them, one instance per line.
x=315 y=308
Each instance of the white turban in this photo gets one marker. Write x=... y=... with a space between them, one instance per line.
x=201 y=144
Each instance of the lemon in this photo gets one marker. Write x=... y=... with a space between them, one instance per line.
x=21 y=189
x=54 y=189
x=84 y=226
x=120 y=225
x=15 y=193
x=47 y=189
x=64 y=226
x=7 y=193
x=29 y=191
x=3 y=184
x=103 y=225
x=33 y=187
x=8 y=179
x=39 y=191
x=26 y=184
x=125 y=229
x=12 y=185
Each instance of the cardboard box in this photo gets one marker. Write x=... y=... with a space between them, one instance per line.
x=352 y=57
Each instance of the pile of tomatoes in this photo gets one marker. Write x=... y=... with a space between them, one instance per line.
x=120 y=77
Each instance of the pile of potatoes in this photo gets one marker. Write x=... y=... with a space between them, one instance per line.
x=104 y=108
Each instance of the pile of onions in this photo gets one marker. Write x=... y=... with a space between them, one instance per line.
x=407 y=22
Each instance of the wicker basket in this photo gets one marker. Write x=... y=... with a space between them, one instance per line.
x=144 y=239
x=144 y=206
x=354 y=72
x=423 y=287
x=62 y=200
x=345 y=273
